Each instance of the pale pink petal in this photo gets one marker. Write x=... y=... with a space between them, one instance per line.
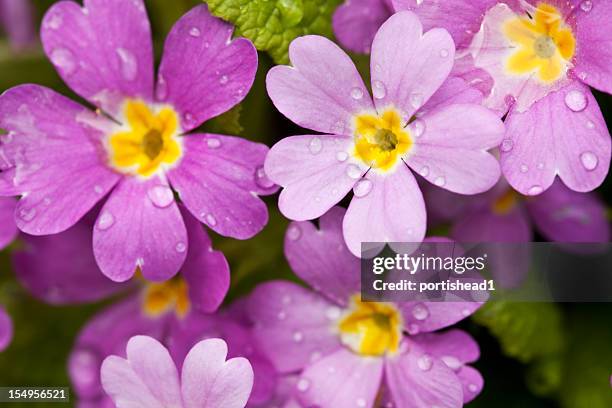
x=322 y=90
x=407 y=66
x=8 y=229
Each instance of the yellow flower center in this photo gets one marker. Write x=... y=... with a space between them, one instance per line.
x=163 y=297
x=505 y=203
x=381 y=140
x=371 y=328
x=148 y=142
x=545 y=44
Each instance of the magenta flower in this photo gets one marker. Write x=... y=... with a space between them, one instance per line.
x=148 y=378
x=8 y=229
x=357 y=21
x=353 y=353
x=6 y=329
x=418 y=120
x=543 y=56
x=17 y=20
x=63 y=158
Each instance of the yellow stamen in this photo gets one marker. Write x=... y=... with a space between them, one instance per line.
x=163 y=297
x=371 y=328
x=505 y=203
x=545 y=44
x=149 y=143
x=381 y=140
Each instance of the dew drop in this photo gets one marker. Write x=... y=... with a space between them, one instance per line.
x=223 y=80
x=424 y=171
x=180 y=247
x=418 y=128
x=414 y=329
x=98 y=189
x=379 y=90
x=440 y=181
x=534 y=190
x=333 y=313
x=315 y=145
x=188 y=118
x=213 y=142
x=27 y=215
x=509 y=100
x=416 y=100
x=361 y=403
x=298 y=337
x=46 y=201
x=341 y=156
x=55 y=21
x=420 y=312
x=357 y=94
x=452 y=362
x=353 y=171
x=540 y=166
x=194 y=32
x=261 y=178
x=473 y=387
x=106 y=221
x=444 y=53
x=63 y=59
x=286 y=299
x=466 y=312
x=524 y=168
x=590 y=125
x=210 y=220
x=337 y=128
x=362 y=188
x=586 y=6
x=161 y=196
x=425 y=362
x=281 y=315
x=294 y=232
x=129 y=66
x=589 y=160
x=576 y=100
x=161 y=91
x=303 y=385
x=507 y=145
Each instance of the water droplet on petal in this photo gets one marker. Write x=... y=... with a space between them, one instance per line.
x=452 y=362
x=161 y=91
x=281 y=315
x=194 y=32
x=440 y=181
x=444 y=53
x=379 y=90
x=106 y=221
x=353 y=171
x=161 y=196
x=27 y=214
x=524 y=168
x=333 y=313
x=420 y=311
x=416 y=100
x=54 y=22
x=298 y=337
x=576 y=100
x=315 y=145
x=414 y=329
x=509 y=100
x=357 y=93
x=63 y=59
x=582 y=76
x=341 y=156
x=361 y=403
x=425 y=362
x=261 y=178
x=466 y=312
x=589 y=160
x=129 y=66
x=540 y=166
x=98 y=189
x=213 y=142
x=223 y=80
x=294 y=232
x=473 y=387
x=362 y=188
x=180 y=247
x=507 y=145
x=424 y=171
x=590 y=125
x=210 y=220
x=303 y=384
x=586 y=6
x=418 y=128
x=535 y=190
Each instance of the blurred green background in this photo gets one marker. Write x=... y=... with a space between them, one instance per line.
x=533 y=355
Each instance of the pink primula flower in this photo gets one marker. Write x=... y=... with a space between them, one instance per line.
x=417 y=121
x=148 y=377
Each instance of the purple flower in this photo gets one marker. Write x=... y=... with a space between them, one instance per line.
x=543 y=56
x=8 y=229
x=418 y=120
x=16 y=19
x=356 y=21
x=353 y=353
x=6 y=329
x=149 y=378
x=135 y=149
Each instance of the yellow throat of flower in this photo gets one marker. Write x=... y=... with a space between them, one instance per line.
x=545 y=44
x=148 y=142
x=505 y=203
x=160 y=298
x=381 y=140
x=371 y=328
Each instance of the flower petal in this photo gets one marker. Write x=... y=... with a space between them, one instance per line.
x=322 y=91
x=571 y=140
x=439 y=314
x=471 y=381
x=8 y=229
x=594 y=60
x=208 y=381
x=61 y=268
x=342 y=379
x=452 y=151
x=293 y=325
x=393 y=211
x=356 y=22
x=564 y=215
x=320 y=257
x=17 y=20
x=205 y=270
x=134 y=231
x=217 y=183
x=103 y=51
x=204 y=72
x=407 y=66
x=51 y=139
x=316 y=173
x=454 y=343
x=6 y=329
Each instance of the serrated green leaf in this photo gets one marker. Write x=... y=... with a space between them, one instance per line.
x=273 y=24
x=526 y=331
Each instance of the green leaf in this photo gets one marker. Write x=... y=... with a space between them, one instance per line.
x=225 y=124
x=526 y=331
x=273 y=24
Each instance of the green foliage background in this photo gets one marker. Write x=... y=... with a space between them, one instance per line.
x=533 y=354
